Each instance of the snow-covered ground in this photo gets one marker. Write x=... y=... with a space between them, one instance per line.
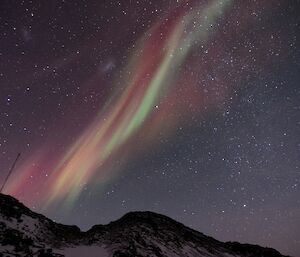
x=80 y=251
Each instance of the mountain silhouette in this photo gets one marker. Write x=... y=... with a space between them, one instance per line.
x=137 y=234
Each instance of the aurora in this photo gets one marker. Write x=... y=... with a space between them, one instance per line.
x=153 y=69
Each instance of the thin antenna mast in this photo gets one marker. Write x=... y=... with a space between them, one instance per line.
x=9 y=173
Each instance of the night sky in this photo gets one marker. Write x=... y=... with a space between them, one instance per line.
x=186 y=108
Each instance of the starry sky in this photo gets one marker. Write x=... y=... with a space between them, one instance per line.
x=186 y=108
